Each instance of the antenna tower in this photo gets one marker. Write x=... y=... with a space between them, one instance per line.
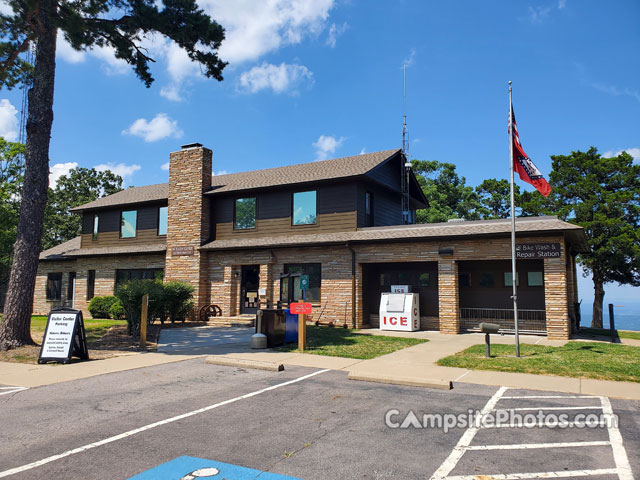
x=405 y=164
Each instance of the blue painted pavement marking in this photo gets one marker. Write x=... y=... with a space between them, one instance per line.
x=192 y=468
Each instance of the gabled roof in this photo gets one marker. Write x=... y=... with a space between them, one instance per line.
x=301 y=173
x=345 y=167
x=70 y=250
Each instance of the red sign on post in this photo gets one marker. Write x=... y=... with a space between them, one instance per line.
x=300 y=308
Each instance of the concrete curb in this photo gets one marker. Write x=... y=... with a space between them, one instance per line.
x=399 y=380
x=242 y=363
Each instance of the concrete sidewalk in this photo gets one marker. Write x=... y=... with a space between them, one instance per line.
x=415 y=365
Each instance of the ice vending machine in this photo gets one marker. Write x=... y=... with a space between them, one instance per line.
x=400 y=311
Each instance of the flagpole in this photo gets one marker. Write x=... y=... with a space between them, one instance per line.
x=514 y=274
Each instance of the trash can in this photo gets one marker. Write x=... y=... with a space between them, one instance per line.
x=273 y=326
x=291 y=327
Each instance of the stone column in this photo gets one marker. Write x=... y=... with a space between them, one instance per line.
x=555 y=293
x=448 y=296
x=188 y=218
x=360 y=320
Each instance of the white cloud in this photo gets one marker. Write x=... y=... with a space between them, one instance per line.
x=279 y=78
x=111 y=65
x=616 y=91
x=408 y=61
x=634 y=152
x=326 y=145
x=335 y=31
x=161 y=126
x=362 y=152
x=562 y=4
x=220 y=172
x=8 y=121
x=256 y=28
x=122 y=169
x=59 y=169
x=165 y=166
x=65 y=51
x=538 y=14
x=5 y=8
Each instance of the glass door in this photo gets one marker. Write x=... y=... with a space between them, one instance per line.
x=249 y=288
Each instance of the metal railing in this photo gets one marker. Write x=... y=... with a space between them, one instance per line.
x=533 y=321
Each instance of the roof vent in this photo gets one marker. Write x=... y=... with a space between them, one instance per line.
x=190 y=145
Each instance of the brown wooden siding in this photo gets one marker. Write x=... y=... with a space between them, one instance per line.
x=388 y=174
x=386 y=206
x=112 y=239
x=331 y=222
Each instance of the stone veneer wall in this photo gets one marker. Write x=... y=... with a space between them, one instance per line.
x=105 y=268
x=335 y=304
x=189 y=217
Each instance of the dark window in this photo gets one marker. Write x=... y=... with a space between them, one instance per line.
x=315 y=279
x=508 y=279
x=54 y=286
x=368 y=209
x=128 y=222
x=139 y=274
x=91 y=283
x=163 y=219
x=95 y=227
x=245 y=213
x=486 y=279
x=465 y=279
x=71 y=285
x=424 y=279
x=534 y=279
x=304 y=208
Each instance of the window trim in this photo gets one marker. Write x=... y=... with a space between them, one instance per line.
x=48 y=289
x=135 y=232
x=158 y=227
x=96 y=227
x=255 y=226
x=293 y=195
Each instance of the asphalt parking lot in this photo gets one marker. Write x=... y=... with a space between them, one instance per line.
x=303 y=423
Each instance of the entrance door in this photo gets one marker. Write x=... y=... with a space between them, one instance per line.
x=71 y=290
x=249 y=288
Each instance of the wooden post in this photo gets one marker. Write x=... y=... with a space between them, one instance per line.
x=302 y=331
x=143 y=321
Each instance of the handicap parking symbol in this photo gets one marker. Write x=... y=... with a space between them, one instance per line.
x=193 y=468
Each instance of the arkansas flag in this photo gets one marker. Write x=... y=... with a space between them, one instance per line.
x=523 y=165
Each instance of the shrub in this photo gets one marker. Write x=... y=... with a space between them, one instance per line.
x=177 y=300
x=117 y=311
x=99 y=306
x=130 y=295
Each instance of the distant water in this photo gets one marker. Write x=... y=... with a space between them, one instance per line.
x=626 y=314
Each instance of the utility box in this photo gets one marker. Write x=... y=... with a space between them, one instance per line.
x=400 y=311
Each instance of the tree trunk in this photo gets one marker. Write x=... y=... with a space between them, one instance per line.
x=16 y=324
x=598 y=297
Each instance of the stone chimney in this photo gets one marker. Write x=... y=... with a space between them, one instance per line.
x=189 y=217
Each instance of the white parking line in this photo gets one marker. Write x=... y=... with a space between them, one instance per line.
x=622 y=468
x=560 y=474
x=526 y=446
x=9 y=390
x=105 y=441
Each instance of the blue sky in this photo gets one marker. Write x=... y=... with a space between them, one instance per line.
x=321 y=79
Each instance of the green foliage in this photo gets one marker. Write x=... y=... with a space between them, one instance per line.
x=11 y=177
x=79 y=186
x=100 y=307
x=117 y=311
x=171 y=299
x=177 y=300
x=603 y=196
x=448 y=195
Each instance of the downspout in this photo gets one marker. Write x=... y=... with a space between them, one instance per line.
x=353 y=285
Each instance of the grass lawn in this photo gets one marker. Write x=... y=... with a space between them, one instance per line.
x=344 y=342
x=607 y=333
x=603 y=361
x=95 y=327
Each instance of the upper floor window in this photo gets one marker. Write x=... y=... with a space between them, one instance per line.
x=304 y=208
x=163 y=219
x=245 y=213
x=368 y=209
x=95 y=227
x=128 y=220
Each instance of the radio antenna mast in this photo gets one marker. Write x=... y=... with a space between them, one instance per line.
x=406 y=165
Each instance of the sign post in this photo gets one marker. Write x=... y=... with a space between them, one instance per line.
x=64 y=337
x=143 y=321
x=301 y=309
